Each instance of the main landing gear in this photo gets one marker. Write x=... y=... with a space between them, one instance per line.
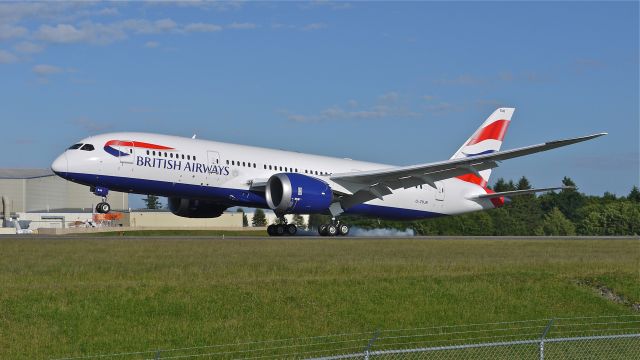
x=334 y=228
x=282 y=229
x=102 y=207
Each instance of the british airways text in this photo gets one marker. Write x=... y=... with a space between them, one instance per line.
x=181 y=166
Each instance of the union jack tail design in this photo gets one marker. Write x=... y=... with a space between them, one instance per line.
x=487 y=139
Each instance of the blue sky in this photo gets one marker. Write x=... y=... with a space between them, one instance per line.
x=392 y=82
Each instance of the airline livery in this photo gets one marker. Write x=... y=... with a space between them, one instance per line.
x=204 y=178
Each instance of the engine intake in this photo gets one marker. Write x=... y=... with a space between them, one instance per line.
x=195 y=208
x=289 y=193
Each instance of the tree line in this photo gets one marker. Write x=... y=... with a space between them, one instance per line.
x=566 y=212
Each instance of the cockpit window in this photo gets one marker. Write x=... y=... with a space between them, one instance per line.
x=74 y=146
x=87 y=147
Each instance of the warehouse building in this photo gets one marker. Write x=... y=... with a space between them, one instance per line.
x=37 y=198
x=40 y=190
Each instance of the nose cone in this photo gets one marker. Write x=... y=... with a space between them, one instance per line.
x=59 y=165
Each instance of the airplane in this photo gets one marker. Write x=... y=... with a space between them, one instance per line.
x=201 y=179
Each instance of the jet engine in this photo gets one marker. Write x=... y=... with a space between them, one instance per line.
x=290 y=193
x=195 y=208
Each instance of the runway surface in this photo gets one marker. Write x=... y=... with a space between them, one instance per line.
x=269 y=238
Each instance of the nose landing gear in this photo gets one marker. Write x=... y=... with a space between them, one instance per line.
x=102 y=207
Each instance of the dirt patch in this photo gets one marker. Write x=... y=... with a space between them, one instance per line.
x=608 y=293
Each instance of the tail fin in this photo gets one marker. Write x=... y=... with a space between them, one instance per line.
x=488 y=138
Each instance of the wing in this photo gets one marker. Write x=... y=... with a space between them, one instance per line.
x=369 y=185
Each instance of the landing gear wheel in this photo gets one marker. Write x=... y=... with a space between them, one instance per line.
x=332 y=230
x=292 y=229
x=103 y=208
x=322 y=230
x=271 y=230
x=343 y=229
x=280 y=229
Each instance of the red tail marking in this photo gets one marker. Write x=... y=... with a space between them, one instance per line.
x=495 y=131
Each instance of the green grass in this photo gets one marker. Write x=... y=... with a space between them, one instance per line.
x=184 y=233
x=66 y=297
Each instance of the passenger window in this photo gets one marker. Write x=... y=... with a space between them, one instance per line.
x=194 y=158
x=188 y=157
x=147 y=152
x=182 y=156
x=75 y=146
x=233 y=162
x=280 y=168
x=243 y=163
x=270 y=167
x=254 y=165
x=171 y=155
x=87 y=147
x=154 y=153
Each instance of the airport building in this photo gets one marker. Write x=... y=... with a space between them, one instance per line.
x=38 y=199
x=40 y=190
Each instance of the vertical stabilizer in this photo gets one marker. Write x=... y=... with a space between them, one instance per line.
x=488 y=138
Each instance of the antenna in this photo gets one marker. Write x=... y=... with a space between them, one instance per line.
x=194 y=136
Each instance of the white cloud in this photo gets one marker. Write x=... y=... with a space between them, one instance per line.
x=387 y=106
x=242 y=26
x=389 y=97
x=7 y=57
x=61 y=33
x=165 y=25
x=52 y=11
x=44 y=70
x=27 y=47
x=90 y=125
x=151 y=44
x=202 y=27
x=8 y=31
x=460 y=80
x=428 y=97
x=314 y=26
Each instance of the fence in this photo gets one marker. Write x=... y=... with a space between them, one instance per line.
x=610 y=337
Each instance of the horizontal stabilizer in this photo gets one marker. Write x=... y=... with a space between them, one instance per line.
x=519 y=192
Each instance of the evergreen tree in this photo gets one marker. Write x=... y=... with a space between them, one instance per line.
x=523 y=184
x=259 y=219
x=245 y=222
x=501 y=185
x=634 y=195
x=152 y=202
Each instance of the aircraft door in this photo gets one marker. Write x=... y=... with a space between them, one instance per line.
x=213 y=165
x=127 y=153
x=439 y=191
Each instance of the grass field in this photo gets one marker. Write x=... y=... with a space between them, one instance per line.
x=66 y=297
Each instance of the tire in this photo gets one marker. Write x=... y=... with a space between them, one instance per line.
x=103 y=208
x=292 y=229
x=322 y=230
x=271 y=230
x=332 y=230
x=343 y=229
x=106 y=208
x=280 y=229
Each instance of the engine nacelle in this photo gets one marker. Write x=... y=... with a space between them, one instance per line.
x=289 y=193
x=195 y=208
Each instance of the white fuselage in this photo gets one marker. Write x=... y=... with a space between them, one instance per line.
x=174 y=166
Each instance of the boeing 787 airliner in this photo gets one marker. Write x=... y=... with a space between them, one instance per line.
x=203 y=178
